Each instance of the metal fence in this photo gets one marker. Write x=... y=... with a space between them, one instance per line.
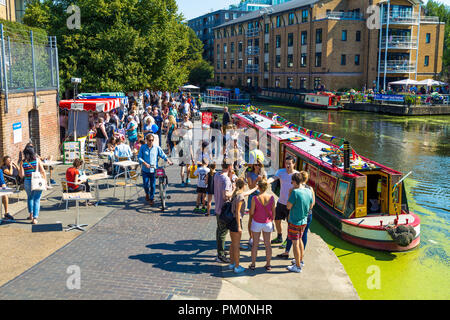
x=27 y=63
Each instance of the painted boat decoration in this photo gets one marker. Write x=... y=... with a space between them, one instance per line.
x=359 y=200
x=323 y=100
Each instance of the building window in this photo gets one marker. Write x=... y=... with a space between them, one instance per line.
x=291 y=18
x=233 y=32
x=319 y=36
x=304 y=37
x=278 y=21
x=266 y=48
x=278 y=61
x=290 y=39
x=303 y=60
x=235 y=15
x=357 y=57
x=232 y=63
x=290 y=60
x=224 y=48
x=428 y=38
x=427 y=61
x=224 y=64
x=302 y=83
x=249 y=42
x=240 y=29
x=343 y=59
x=266 y=67
x=277 y=82
x=240 y=47
x=318 y=59
x=266 y=28
x=304 y=15
x=316 y=83
x=240 y=63
x=227 y=16
x=232 y=47
x=358 y=36
x=218 y=64
x=344 y=35
x=278 y=42
x=290 y=83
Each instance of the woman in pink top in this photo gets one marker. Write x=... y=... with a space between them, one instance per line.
x=262 y=213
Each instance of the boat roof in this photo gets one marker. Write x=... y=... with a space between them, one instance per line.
x=312 y=147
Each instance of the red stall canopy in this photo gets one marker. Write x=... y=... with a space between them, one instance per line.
x=99 y=105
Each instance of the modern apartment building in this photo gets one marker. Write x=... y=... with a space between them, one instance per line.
x=12 y=10
x=302 y=44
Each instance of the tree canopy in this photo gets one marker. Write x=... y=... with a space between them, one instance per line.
x=121 y=45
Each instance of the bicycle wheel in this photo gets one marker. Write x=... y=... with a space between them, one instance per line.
x=162 y=195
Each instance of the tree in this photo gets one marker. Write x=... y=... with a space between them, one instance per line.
x=201 y=73
x=122 y=45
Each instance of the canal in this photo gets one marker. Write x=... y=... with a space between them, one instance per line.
x=417 y=144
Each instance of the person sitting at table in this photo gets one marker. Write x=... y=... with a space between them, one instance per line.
x=122 y=150
x=11 y=169
x=73 y=176
x=111 y=145
x=4 y=198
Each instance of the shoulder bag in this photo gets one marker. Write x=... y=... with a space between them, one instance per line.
x=38 y=183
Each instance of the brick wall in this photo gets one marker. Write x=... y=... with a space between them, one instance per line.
x=45 y=120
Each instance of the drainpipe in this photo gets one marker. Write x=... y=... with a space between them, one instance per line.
x=417 y=50
x=33 y=61
x=386 y=51
x=379 y=50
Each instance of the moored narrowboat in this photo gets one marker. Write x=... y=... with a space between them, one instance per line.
x=359 y=200
x=323 y=100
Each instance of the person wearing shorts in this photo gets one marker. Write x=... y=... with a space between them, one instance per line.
x=202 y=173
x=262 y=212
x=210 y=187
x=299 y=203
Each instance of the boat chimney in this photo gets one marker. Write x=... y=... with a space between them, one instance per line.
x=346 y=156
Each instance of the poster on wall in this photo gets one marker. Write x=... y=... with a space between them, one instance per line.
x=312 y=173
x=71 y=151
x=341 y=195
x=17 y=132
x=326 y=186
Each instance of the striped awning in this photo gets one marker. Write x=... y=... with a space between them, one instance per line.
x=98 y=105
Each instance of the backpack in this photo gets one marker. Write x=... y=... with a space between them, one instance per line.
x=226 y=213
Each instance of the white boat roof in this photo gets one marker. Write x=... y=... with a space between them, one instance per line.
x=310 y=145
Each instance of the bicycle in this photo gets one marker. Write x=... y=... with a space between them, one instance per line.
x=163 y=184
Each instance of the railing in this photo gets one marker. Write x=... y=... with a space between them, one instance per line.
x=397 y=67
x=342 y=15
x=216 y=100
x=399 y=42
x=252 y=32
x=252 y=51
x=252 y=68
x=400 y=19
x=429 y=19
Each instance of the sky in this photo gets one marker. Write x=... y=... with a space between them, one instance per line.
x=194 y=8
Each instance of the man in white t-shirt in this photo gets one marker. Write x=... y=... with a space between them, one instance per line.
x=202 y=173
x=281 y=211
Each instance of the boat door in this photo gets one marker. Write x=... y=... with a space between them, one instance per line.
x=395 y=196
x=377 y=192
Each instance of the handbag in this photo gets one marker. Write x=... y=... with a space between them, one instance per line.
x=38 y=183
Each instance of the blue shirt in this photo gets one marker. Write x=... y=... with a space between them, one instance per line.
x=123 y=150
x=2 y=178
x=150 y=156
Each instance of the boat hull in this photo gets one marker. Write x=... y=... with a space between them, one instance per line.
x=367 y=235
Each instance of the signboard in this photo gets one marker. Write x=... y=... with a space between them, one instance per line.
x=312 y=173
x=77 y=106
x=342 y=194
x=206 y=118
x=389 y=97
x=17 y=132
x=71 y=151
x=326 y=186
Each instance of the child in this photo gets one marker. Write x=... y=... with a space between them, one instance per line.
x=202 y=173
x=210 y=188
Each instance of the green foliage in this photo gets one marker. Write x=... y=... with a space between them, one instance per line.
x=201 y=73
x=122 y=45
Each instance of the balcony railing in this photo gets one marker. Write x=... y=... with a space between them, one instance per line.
x=252 y=68
x=252 y=32
x=252 y=50
x=400 y=19
x=397 y=67
x=336 y=15
x=399 y=42
x=429 y=19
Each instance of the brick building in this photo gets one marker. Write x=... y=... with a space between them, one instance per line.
x=29 y=110
x=302 y=44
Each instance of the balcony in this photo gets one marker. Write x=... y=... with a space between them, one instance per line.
x=252 y=32
x=394 y=66
x=400 y=19
x=399 y=42
x=252 y=51
x=251 y=68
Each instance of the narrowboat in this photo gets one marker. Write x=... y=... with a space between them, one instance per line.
x=361 y=201
x=323 y=100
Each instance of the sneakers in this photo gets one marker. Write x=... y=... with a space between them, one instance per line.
x=294 y=268
x=52 y=181
x=283 y=245
x=239 y=269
x=197 y=210
x=277 y=240
x=187 y=181
x=244 y=247
x=302 y=264
x=222 y=259
x=231 y=266
x=9 y=217
x=203 y=210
